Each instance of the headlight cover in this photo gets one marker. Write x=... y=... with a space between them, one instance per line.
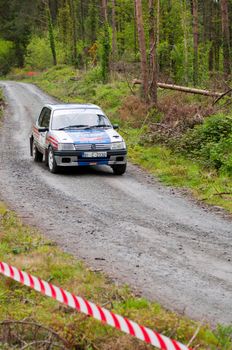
x=118 y=145
x=66 y=147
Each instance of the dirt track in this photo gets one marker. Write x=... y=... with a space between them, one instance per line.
x=131 y=227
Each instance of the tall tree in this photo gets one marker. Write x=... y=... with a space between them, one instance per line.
x=195 y=41
x=74 y=31
x=225 y=38
x=17 y=22
x=185 y=39
x=114 y=33
x=105 y=61
x=142 y=48
x=153 y=64
x=104 y=10
x=51 y=34
x=93 y=15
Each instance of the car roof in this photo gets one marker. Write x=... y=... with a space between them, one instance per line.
x=72 y=106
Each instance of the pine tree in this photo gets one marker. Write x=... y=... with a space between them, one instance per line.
x=225 y=38
x=51 y=35
x=142 y=48
x=153 y=64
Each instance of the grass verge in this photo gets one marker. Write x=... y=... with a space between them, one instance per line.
x=24 y=247
x=69 y=85
x=175 y=170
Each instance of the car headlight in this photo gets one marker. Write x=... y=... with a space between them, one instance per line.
x=66 y=147
x=118 y=145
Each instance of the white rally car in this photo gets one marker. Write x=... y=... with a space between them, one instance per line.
x=77 y=135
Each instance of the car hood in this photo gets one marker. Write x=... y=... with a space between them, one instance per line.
x=87 y=136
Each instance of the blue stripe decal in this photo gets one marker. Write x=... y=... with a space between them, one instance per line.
x=89 y=136
x=102 y=162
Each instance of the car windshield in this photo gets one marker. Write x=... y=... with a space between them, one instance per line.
x=78 y=119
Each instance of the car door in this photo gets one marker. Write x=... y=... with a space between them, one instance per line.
x=44 y=122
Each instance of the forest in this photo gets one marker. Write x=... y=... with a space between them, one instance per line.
x=179 y=41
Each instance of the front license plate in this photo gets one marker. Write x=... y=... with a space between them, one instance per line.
x=95 y=154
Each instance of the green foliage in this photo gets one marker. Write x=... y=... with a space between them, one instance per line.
x=224 y=336
x=39 y=55
x=6 y=56
x=105 y=54
x=51 y=36
x=76 y=25
x=176 y=170
x=93 y=76
x=71 y=85
x=17 y=20
x=210 y=142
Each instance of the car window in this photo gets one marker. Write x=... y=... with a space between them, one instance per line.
x=41 y=116
x=45 y=120
x=66 y=118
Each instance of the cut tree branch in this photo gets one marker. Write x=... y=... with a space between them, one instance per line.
x=184 y=89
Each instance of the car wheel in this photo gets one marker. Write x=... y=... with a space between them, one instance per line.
x=119 y=169
x=37 y=155
x=53 y=168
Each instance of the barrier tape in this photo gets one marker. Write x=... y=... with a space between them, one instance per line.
x=105 y=316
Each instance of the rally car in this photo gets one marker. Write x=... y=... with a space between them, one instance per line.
x=77 y=135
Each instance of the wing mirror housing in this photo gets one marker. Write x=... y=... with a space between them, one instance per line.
x=115 y=126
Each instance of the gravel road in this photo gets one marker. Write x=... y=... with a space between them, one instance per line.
x=131 y=227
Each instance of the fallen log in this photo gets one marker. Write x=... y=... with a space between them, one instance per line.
x=184 y=89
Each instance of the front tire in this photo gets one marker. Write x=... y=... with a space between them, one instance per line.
x=37 y=155
x=52 y=166
x=119 y=169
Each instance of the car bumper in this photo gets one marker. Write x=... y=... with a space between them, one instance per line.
x=76 y=158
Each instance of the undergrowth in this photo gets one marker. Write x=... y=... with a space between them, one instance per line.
x=176 y=170
x=210 y=143
x=26 y=249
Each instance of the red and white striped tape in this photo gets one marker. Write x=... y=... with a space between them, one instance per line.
x=123 y=324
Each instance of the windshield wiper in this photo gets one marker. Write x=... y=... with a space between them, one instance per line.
x=98 y=126
x=73 y=127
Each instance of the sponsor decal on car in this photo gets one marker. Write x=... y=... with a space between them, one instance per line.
x=83 y=136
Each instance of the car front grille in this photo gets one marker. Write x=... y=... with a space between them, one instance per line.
x=92 y=147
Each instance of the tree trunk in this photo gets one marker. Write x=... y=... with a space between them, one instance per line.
x=225 y=38
x=195 y=41
x=135 y=35
x=217 y=36
x=153 y=64
x=105 y=60
x=158 y=24
x=51 y=36
x=53 y=5
x=185 y=32
x=82 y=12
x=104 y=10
x=184 y=89
x=142 y=48
x=74 y=31
x=114 y=33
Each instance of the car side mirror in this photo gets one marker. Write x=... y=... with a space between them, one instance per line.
x=115 y=126
x=43 y=129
